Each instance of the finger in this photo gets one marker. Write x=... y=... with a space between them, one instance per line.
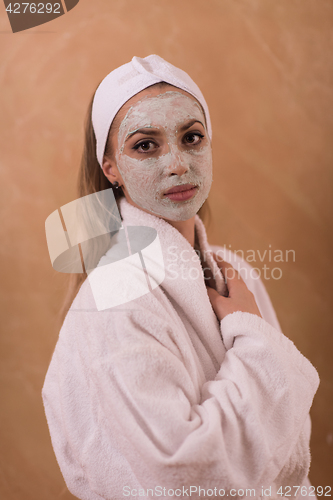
x=231 y=276
x=220 y=262
x=213 y=295
x=224 y=265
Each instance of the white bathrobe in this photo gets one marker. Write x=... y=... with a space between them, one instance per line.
x=158 y=398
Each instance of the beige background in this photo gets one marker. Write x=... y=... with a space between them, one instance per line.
x=266 y=69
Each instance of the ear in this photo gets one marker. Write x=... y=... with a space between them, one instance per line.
x=110 y=170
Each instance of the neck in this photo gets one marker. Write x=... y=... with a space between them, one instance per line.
x=186 y=228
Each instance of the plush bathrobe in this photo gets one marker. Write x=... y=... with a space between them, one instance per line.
x=158 y=398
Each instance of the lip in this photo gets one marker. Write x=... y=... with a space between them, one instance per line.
x=181 y=193
x=182 y=187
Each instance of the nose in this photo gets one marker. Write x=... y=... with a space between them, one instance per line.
x=178 y=164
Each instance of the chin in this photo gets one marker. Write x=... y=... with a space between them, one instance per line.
x=179 y=215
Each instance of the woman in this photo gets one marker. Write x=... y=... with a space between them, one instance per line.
x=190 y=390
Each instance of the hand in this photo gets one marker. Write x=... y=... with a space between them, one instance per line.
x=240 y=298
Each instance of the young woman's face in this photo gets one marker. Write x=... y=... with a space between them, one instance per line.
x=163 y=153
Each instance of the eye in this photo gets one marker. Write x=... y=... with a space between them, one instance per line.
x=193 y=138
x=145 y=146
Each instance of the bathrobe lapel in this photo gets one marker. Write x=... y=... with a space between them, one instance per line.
x=184 y=284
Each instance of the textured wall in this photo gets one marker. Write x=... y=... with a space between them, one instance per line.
x=266 y=69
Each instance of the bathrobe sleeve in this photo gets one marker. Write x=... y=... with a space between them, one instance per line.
x=143 y=410
x=257 y=287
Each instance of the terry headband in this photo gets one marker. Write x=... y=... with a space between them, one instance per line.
x=129 y=79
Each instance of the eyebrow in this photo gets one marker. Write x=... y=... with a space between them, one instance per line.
x=189 y=124
x=145 y=131
x=152 y=131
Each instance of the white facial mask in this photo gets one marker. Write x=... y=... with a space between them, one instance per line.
x=147 y=179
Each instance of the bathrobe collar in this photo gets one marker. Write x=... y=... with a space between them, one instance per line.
x=184 y=284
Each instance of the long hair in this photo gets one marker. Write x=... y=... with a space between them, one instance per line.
x=91 y=179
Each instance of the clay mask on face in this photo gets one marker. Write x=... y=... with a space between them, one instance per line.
x=148 y=179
